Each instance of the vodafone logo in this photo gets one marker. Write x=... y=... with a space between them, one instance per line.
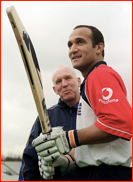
x=107 y=93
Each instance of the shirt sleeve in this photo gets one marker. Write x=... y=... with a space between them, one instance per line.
x=107 y=93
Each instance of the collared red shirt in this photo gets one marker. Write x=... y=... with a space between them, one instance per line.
x=104 y=103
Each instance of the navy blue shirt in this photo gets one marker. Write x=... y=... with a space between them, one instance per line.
x=59 y=115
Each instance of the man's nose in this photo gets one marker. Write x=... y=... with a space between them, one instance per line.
x=64 y=83
x=74 y=49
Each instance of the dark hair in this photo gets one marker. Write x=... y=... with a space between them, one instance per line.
x=96 y=37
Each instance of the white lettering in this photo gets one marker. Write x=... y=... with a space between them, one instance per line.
x=108 y=101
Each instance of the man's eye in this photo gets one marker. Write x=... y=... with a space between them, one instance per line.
x=68 y=78
x=70 y=46
x=80 y=42
x=58 y=81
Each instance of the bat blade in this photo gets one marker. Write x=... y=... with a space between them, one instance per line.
x=31 y=65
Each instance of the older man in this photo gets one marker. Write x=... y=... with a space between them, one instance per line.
x=65 y=84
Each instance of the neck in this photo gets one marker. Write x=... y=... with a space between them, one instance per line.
x=73 y=102
x=85 y=71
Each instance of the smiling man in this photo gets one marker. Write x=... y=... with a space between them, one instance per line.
x=85 y=50
x=102 y=139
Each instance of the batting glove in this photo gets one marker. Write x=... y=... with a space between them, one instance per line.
x=46 y=169
x=64 y=162
x=56 y=142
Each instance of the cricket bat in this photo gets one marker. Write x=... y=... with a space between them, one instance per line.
x=33 y=72
x=31 y=65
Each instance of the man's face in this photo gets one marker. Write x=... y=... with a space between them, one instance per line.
x=66 y=85
x=81 y=52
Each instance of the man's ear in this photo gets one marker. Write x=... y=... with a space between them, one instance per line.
x=55 y=90
x=100 y=47
x=79 y=81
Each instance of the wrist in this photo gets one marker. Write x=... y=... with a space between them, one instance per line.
x=72 y=139
x=71 y=163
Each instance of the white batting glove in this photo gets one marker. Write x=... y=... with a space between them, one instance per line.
x=51 y=145
x=65 y=162
x=46 y=169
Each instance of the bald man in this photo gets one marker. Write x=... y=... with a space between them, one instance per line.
x=66 y=85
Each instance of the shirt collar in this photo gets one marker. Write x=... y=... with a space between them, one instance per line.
x=94 y=67
x=63 y=104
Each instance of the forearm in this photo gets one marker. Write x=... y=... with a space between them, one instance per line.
x=62 y=142
x=93 y=135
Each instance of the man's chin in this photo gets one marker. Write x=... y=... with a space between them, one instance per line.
x=75 y=65
x=67 y=98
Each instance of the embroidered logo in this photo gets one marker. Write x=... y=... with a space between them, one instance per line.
x=106 y=95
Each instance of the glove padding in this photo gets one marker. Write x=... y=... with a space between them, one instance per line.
x=65 y=162
x=52 y=144
x=46 y=169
